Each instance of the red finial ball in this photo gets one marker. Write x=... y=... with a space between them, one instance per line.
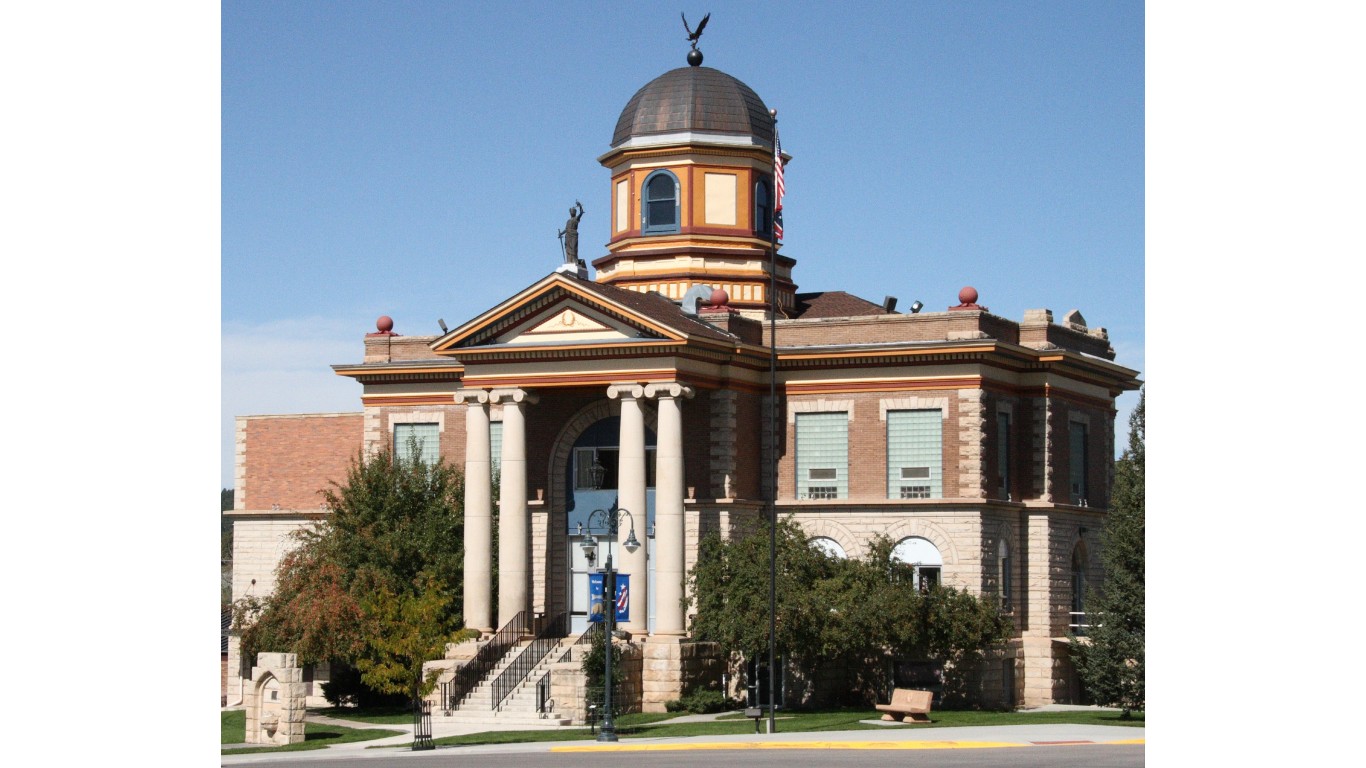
x=384 y=324
x=719 y=297
x=968 y=295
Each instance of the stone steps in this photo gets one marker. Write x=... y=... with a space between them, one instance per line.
x=519 y=708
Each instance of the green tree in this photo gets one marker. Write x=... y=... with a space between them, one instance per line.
x=852 y=614
x=225 y=499
x=1110 y=657
x=415 y=626
x=729 y=587
x=374 y=583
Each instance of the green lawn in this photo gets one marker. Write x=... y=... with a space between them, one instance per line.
x=659 y=725
x=316 y=736
x=650 y=725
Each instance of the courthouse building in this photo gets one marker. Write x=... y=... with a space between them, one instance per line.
x=982 y=445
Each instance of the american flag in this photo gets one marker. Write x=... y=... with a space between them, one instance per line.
x=778 y=186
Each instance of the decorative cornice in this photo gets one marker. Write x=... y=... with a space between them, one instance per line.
x=687 y=146
x=429 y=398
x=561 y=380
x=389 y=372
x=882 y=385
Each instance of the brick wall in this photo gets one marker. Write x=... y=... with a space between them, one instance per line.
x=289 y=459
x=868 y=443
x=449 y=418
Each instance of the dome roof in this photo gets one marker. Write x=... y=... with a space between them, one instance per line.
x=699 y=99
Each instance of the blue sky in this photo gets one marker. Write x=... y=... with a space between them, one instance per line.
x=417 y=159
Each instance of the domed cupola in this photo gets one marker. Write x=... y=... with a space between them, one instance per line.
x=692 y=190
x=694 y=100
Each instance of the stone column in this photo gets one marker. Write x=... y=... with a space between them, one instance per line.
x=478 y=511
x=669 y=508
x=514 y=518
x=631 y=496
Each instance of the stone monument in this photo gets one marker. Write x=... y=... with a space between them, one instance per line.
x=275 y=704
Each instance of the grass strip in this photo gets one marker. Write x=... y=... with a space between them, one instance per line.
x=659 y=725
x=316 y=735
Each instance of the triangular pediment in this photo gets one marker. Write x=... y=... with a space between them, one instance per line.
x=569 y=322
x=559 y=311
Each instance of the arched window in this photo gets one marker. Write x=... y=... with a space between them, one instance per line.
x=829 y=546
x=763 y=209
x=1003 y=564
x=1077 y=620
x=924 y=559
x=660 y=211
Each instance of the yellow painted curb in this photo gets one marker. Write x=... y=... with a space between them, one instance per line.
x=849 y=745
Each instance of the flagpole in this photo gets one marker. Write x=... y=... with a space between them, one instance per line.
x=773 y=424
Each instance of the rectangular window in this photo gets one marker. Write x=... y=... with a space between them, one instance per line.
x=915 y=454
x=423 y=437
x=823 y=455
x=1003 y=456
x=583 y=468
x=1077 y=462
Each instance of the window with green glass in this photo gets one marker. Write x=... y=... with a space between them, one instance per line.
x=823 y=455
x=422 y=437
x=915 y=454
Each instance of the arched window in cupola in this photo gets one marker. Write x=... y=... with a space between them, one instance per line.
x=763 y=209
x=660 y=211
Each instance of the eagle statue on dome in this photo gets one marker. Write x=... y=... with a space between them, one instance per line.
x=693 y=36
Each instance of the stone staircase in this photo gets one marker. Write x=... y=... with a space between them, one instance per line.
x=519 y=708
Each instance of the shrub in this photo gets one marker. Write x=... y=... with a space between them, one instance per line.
x=701 y=701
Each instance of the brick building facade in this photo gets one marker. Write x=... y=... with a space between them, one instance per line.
x=982 y=445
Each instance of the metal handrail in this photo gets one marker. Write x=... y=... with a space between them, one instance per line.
x=468 y=676
x=548 y=635
x=543 y=701
x=1079 y=622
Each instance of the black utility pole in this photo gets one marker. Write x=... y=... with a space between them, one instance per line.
x=773 y=436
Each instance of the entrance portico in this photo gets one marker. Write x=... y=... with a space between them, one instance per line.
x=517 y=581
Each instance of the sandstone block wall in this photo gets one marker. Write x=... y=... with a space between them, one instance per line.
x=671 y=668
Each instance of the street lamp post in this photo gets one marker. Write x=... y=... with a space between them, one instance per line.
x=608 y=732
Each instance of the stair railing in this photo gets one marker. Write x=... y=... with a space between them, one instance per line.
x=548 y=635
x=467 y=677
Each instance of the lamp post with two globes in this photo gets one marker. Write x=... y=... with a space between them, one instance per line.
x=609 y=590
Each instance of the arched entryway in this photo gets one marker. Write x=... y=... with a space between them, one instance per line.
x=589 y=477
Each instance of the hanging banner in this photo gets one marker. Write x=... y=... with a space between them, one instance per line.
x=595 y=597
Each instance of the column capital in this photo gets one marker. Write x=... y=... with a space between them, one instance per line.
x=472 y=396
x=628 y=391
x=668 y=389
x=512 y=395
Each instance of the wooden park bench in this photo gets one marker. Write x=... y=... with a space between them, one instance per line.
x=907 y=706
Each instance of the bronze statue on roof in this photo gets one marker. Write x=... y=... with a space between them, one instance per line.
x=569 y=236
x=693 y=36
